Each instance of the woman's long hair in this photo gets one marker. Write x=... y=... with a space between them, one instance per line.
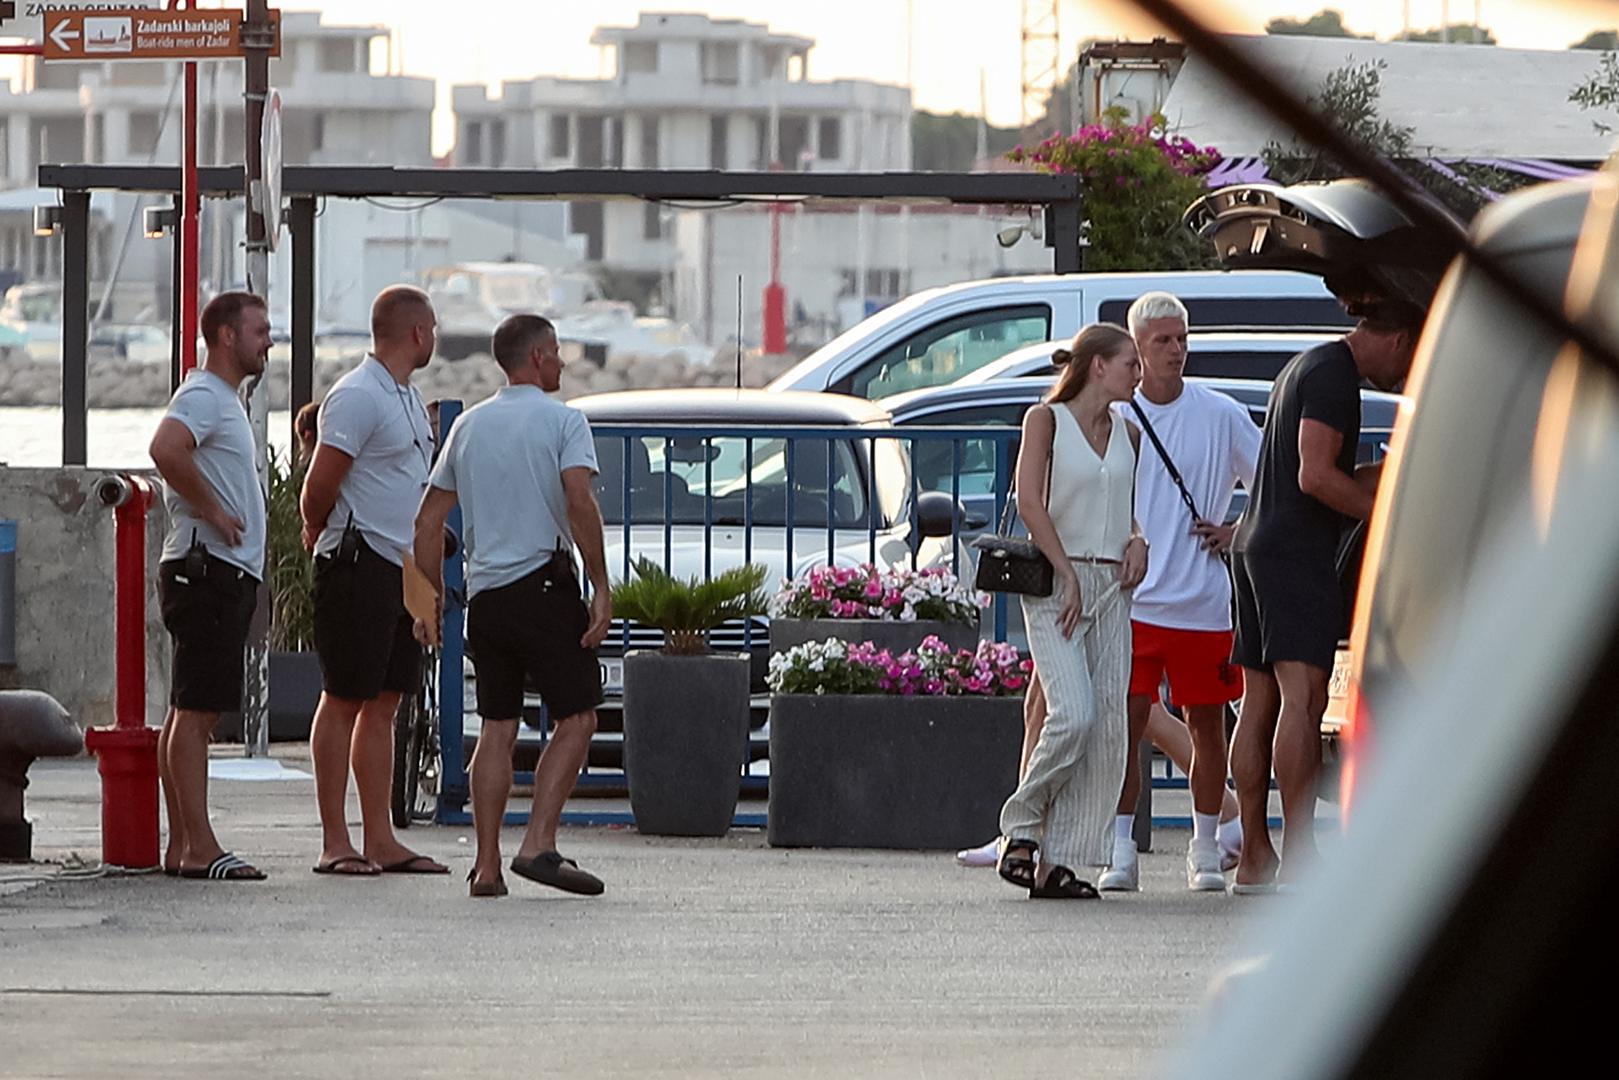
x=1074 y=363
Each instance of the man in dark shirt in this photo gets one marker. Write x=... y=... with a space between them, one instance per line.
x=1290 y=610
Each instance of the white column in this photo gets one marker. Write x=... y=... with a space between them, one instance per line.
x=19 y=154
x=115 y=135
x=632 y=141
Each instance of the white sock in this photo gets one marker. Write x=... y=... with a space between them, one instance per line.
x=1124 y=827
x=1204 y=827
x=1230 y=834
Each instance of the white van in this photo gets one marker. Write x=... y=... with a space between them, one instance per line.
x=939 y=335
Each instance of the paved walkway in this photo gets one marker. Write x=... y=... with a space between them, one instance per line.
x=703 y=958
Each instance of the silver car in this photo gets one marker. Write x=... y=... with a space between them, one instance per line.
x=704 y=480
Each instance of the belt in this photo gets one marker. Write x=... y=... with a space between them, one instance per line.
x=1095 y=560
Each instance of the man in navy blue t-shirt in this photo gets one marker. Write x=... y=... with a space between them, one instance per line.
x=1290 y=609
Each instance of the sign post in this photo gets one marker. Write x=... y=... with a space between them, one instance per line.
x=257 y=36
x=136 y=33
x=141 y=31
x=25 y=19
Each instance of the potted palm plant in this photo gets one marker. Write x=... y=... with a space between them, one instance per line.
x=294 y=668
x=290 y=574
x=686 y=708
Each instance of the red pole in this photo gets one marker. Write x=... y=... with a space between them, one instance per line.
x=191 y=205
x=22 y=50
x=775 y=298
x=190 y=209
x=130 y=543
x=126 y=753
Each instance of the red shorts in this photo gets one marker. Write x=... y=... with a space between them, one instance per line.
x=1198 y=663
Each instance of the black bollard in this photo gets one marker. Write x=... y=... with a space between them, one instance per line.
x=32 y=725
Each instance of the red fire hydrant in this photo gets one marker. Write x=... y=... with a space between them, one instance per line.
x=126 y=753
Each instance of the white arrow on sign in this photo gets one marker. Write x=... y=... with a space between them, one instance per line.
x=60 y=35
x=34 y=16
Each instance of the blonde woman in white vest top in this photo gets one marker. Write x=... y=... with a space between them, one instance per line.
x=1059 y=821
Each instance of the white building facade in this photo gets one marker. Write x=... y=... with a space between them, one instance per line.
x=689 y=92
x=340 y=106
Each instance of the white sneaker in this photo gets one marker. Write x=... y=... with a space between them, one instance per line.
x=986 y=855
x=1125 y=873
x=1203 y=868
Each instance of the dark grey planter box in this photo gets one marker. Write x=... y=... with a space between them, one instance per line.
x=685 y=740
x=880 y=771
x=896 y=637
x=294 y=693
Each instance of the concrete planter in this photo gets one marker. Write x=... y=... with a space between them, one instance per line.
x=880 y=771
x=685 y=740
x=896 y=637
x=294 y=693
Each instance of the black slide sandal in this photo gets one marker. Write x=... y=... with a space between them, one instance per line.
x=1061 y=884
x=1018 y=869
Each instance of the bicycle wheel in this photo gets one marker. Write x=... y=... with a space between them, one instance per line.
x=406 y=723
x=424 y=747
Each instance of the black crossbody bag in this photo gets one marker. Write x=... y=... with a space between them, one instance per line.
x=1014 y=564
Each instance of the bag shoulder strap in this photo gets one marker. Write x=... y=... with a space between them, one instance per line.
x=1169 y=465
x=1011 y=496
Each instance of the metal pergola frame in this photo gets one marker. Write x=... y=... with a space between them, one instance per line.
x=303 y=185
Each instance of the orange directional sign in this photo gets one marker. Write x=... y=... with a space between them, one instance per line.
x=141 y=34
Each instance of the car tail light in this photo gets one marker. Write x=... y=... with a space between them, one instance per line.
x=1355 y=744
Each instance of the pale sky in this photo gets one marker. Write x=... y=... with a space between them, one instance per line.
x=952 y=41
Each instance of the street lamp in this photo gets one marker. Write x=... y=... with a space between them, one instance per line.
x=47 y=220
x=157 y=222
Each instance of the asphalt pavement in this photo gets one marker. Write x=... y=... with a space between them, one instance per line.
x=704 y=957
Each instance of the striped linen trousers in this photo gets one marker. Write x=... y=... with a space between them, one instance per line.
x=1069 y=795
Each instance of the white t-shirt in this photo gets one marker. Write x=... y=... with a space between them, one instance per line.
x=1215 y=445
x=225 y=455
x=504 y=460
x=383 y=426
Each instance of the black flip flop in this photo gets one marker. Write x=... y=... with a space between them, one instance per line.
x=550 y=868
x=415 y=865
x=1061 y=884
x=496 y=887
x=331 y=867
x=225 y=868
x=1018 y=869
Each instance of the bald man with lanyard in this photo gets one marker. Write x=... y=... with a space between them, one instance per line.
x=369 y=471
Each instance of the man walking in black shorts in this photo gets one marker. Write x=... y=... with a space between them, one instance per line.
x=1290 y=609
x=521 y=466
x=368 y=473
x=210 y=569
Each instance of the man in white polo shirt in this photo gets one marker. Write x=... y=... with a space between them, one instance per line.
x=368 y=473
x=209 y=571
x=1180 y=616
x=521 y=466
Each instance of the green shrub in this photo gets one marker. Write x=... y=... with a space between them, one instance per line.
x=291 y=570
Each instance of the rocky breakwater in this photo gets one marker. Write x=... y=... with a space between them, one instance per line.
x=116 y=384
